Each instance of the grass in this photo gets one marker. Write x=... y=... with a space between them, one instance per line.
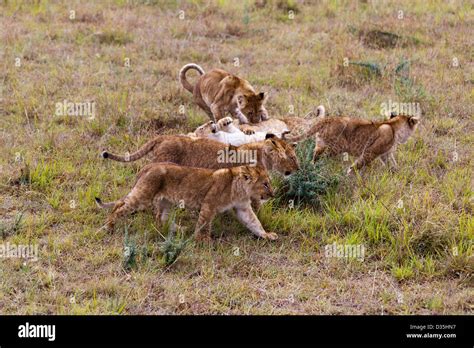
x=125 y=57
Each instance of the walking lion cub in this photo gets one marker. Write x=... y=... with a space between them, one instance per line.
x=362 y=138
x=160 y=185
x=272 y=153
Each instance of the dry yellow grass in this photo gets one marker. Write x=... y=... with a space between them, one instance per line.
x=125 y=56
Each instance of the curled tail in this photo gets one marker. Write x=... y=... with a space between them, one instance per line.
x=102 y=205
x=145 y=149
x=182 y=75
x=319 y=112
x=316 y=127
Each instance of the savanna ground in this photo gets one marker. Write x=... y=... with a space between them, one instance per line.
x=415 y=223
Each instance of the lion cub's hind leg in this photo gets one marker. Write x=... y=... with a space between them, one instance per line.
x=381 y=145
x=162 y=208
x=204 y=223
x=319 y=148
x=113 y=216
x=392 y=160
x=389 y=159
x=223 y=100
x=122 y=208
x=384 y=158
x=206 y=108
x=137 y=200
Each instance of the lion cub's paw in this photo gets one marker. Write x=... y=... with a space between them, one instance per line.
x=393 y=169
x=224 y=122
x=270 y=236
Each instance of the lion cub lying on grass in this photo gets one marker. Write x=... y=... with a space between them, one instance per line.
x=225 y=131
x=246 y=133
x=365 y=139
x=218 y=92
x=160 y=185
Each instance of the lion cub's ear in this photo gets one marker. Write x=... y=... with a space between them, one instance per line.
x=262 y=96
x=270 y=135
x=412 y=121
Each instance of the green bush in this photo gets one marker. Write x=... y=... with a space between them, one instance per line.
x=313 y=180
x=174 y=243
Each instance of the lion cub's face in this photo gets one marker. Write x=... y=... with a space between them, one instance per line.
x=258 y=182
x=253 y=106
x=282 y=155
x=408 y=126
x=206 y=129
x=224 y=124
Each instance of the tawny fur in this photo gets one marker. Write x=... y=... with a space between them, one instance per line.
x=278 y=127
x=362 y=138
x=225 y=124
x=160 y=185
x=218 y=92
x=284 y=125
x=272 y=153
x=204 y=130
x=272 y=125
x=299 y=125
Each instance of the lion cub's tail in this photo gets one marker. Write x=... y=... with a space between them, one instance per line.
x=102 y=205
x=182 y=75
x=145 y=149
x=319 y=112
x=316 y=127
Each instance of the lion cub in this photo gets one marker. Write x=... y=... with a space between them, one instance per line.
x=160 y=185
x=228 y=125
x=223 y=125
x=365 y=139
x=218 y=92
x=280 y=127
x=226 y=132
x=272 y=153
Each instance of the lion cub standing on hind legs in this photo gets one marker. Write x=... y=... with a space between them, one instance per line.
x=160 y=185
x=362 y=138
x=218 y=92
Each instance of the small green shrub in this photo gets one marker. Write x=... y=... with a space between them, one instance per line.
x=369 y=69
x=174 y=243
x=129 y=252
x=311 y=181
